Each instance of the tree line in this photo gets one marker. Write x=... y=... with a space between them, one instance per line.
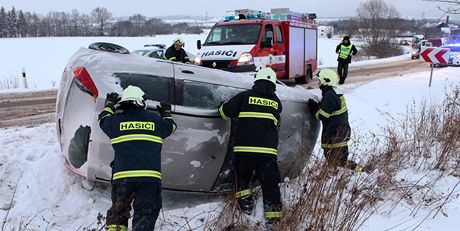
x=99 y=22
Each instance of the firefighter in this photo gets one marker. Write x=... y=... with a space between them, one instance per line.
x=176 y=52
x=136 y=135
x=333 y=113
x=345 y=50
x=255 y=144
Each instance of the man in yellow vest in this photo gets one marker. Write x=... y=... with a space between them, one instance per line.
x=345 y=50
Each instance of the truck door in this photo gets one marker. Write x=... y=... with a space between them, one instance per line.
x=279 y=53
x=265 y=55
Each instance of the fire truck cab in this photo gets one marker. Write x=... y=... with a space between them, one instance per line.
x=284 y=40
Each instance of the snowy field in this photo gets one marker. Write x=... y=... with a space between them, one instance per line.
x=44 y=59
x=46 y=196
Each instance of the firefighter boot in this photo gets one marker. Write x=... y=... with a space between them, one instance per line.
x=246 y=204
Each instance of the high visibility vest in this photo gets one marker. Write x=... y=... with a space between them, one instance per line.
x=345 y=51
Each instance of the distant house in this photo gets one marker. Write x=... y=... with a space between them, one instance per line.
x=325 y=31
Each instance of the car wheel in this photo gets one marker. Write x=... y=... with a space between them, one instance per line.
x=109 y=47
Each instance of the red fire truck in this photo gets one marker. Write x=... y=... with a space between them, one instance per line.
x=284 y=40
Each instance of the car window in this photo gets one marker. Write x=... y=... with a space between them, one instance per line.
x=157 y=54
x=140 y=52
x=205 y=95
x=156 y=88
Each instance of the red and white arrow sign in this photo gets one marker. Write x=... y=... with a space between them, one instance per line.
x=435 y=55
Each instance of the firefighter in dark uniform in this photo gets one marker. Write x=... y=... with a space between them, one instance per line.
x=333 y=113
x=176 y=52
x=255 y=146
x=136 y=135
x=345 y=50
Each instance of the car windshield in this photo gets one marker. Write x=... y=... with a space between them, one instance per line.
x=233 y=34
x=140 y=52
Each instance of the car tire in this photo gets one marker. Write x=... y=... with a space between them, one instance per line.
x=108 y=47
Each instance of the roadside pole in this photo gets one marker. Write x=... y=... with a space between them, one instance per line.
x=434 y=55
x=24 y=78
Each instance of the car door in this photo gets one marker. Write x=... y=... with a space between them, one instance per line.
x=194 y=157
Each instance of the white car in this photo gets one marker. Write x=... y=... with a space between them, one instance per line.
x=156 y=51
x=197 y=157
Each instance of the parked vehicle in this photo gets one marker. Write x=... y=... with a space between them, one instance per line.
x=436 y=42
x=454 y=55
x=415 y=53
x=196 y=157
x=284 y=40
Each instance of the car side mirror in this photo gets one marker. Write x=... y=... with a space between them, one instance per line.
x=198 y=44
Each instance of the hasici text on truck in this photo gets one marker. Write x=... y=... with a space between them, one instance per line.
x=284 y=40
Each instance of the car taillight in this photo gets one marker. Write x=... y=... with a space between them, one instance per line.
x=85 y=80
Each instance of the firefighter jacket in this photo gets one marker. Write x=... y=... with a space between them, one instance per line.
x=345 y=51
x=172 y=54
x=136 y=136
x=333 y=114
x=258 y=117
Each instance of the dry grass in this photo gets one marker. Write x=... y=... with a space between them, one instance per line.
x=408 y=160
x=9 y=83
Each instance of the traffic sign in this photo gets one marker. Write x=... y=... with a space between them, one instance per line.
x=435 y=55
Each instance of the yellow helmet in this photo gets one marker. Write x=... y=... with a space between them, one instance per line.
x=266 y=73
x=180 y=41
x=135 y=94
x=328 y=77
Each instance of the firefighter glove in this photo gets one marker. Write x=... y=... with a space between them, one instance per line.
x=112 y=98
x=313 y=106
x=164 y=109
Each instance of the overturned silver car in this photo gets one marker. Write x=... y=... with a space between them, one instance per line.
x=197 y=157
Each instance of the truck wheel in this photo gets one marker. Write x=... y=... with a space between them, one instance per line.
x=304 y=79
x=301 y=80
x=109 y=47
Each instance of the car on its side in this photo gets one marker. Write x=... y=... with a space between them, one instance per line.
x=157 y=51
x=197 y=157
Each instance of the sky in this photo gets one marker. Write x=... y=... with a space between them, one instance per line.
x=218 y=8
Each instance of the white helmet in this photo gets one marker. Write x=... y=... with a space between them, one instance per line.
x=328 y=77
x=134 y=94
x=180 y=41
x=266 y=73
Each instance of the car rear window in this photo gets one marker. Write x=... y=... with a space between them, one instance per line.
x=156 y=88
x=204 y=95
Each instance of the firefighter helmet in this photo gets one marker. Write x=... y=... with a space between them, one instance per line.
x=266 y=73
x=133 y=94
x=180 y=41
x=328 y=77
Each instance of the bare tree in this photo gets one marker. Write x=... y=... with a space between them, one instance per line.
x=450 y=6
x=378 y=24
x=101 y=17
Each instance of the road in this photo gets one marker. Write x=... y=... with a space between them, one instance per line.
x=35 y=108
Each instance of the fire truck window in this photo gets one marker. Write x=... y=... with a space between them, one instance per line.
x=267 y=37
x=279 y=35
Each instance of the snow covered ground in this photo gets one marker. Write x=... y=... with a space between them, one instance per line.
x=44 y=59
x=43 y=195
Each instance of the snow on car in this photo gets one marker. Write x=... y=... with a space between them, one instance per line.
x=197 y=156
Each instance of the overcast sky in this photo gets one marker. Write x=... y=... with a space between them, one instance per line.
x=151 y=8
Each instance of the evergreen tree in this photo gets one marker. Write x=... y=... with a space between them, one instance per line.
x=3 y=23
x=22 y=24
x=12 y=23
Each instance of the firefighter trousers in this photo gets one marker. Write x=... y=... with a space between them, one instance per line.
x=266 y=171
x=146 y=200
x=342 y=70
